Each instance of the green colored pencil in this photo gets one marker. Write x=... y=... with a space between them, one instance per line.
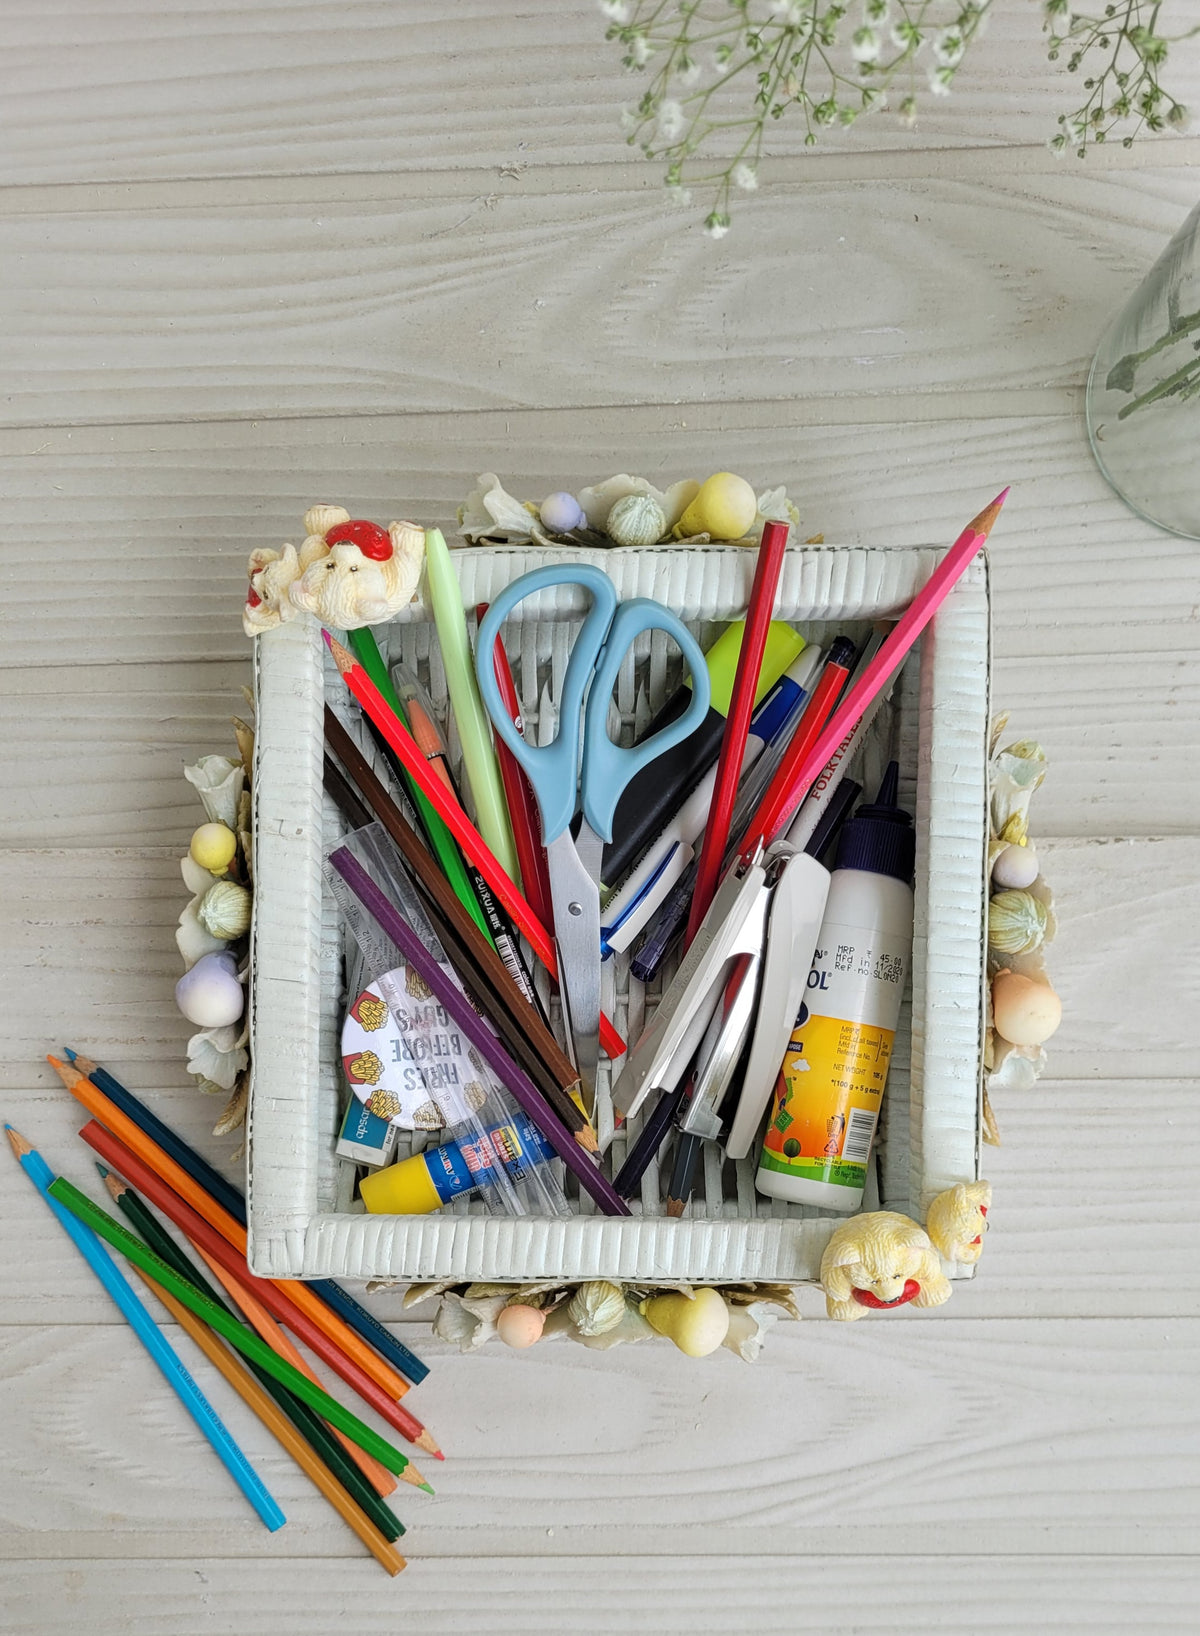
x=134 y=1250
x=440 y=839
x=318 y=1436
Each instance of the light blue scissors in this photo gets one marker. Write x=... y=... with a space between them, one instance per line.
x=583 y=767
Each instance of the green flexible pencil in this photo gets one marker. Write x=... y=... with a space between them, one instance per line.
x=134 y=1250
x=444 y=847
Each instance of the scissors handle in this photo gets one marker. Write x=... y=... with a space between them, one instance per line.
x=607 y=767
x=552 y=769
x=608 y=632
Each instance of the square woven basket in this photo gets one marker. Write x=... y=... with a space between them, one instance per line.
x=302 y=1221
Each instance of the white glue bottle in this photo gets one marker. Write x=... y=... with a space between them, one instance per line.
x=826 y=1106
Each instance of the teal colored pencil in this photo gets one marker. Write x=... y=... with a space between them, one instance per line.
x=151 y=1337
x=134 y=1250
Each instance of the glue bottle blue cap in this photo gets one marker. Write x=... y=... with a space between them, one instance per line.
x=880 y=837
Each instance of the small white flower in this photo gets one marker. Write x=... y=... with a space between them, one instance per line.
x=688 y=71
x=670 y=120
x=681 y=196
x=639 y=50
x=877 y=12
x=617 y=11
x=865 y=44
x=939 y=81
x=629 y=122
x=1057 y=145
x=905 y=35
x=791 y=13
x=716 y=225
x=948 y=47
x=745 y=177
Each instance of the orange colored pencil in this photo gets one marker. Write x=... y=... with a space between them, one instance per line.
x=255 y=1314
x=154 y=1189
x=457 y=822
x=280 y=1427
x=134 y=1137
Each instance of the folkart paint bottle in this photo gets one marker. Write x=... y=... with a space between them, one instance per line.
x=826 y=1107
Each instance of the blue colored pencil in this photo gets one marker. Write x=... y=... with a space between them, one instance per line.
x=231 y=1199
x=151 y=1337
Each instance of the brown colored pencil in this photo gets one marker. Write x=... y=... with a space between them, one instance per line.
x=518 y=1023
x=280 y=1427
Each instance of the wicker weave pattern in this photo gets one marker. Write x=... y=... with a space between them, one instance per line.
x=938 y=725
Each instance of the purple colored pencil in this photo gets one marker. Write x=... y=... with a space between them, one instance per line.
x=531 y=1100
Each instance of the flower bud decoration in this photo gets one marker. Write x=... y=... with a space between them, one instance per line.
x=596 y=1307
x=1016 y=866
x=638 y=519
x=213 y=847
x=1016 y=922
x=1025 y=1012
x=210 y=994
x=561 y=512
x=724 y=509
x=224 y=910
x=520 y=1326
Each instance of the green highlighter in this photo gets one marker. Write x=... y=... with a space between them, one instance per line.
x=659 y=790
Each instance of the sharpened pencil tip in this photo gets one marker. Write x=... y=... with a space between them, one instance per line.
x=426 y=1487
x=103 y=1169
x=69 y=1053
x=17 y=1142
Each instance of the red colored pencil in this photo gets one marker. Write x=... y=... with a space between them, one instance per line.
x=457 y=822
x=737 y=725
x=800 y=767
x=522 y=807
x=139 y=1175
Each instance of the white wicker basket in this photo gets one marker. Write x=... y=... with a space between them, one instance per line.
x=301 y=1219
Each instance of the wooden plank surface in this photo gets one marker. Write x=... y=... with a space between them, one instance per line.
x=594 y=1596
x=257 y=310
x=959 y=1437
x=270 y=254
x=171 y=91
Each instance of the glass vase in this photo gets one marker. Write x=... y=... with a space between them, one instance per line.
x=1143 y=392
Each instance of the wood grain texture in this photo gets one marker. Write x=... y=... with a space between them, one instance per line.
x=1041 y=1436
x=596 y=1595
x=150 y=528
x=549 y=300
x=175 y=91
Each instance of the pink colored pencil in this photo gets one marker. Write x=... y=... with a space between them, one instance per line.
x=737 y=725
x=795 y=775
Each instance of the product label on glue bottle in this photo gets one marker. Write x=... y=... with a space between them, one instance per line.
x=827 y=1100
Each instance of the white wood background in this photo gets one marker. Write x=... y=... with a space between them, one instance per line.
x=268 y=253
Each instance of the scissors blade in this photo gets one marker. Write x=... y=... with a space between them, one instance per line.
x=576 y=899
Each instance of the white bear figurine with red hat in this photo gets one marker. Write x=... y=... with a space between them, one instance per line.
x=348 y=572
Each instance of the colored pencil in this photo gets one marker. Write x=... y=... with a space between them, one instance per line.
x=440 y=839
x=226 y=1194
x=254 y=1395
x=459 y=825
x=343 y=1340
x=522 y=803
x=797 y=772
x=132 y=1248
x=276 y=1337
x=151 y=1185
x=424 y=728
x=737 y=723
x=314 y=1430
x=302 y=1417
x=523 y=1030
x=532 y=1102
x=148 y=1332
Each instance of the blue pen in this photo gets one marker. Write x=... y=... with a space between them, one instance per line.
x=646 y=886
x=151 y=1337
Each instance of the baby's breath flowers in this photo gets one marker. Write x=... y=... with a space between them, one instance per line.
x=1124 y=51
x=836 y=60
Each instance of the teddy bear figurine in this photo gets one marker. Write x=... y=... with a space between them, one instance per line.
x=348 y=572
x=880 y=1260
x=957 y=1220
